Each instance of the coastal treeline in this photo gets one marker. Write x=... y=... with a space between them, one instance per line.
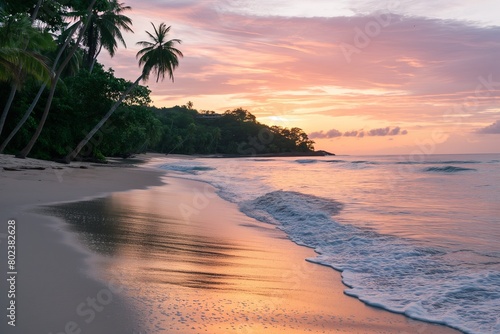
x=58 y=102
x=237 y=132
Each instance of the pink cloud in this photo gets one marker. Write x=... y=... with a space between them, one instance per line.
x=414 y=69
x=491 y=129
x=380 y=132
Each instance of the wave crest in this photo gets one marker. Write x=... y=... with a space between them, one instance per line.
x=448 y=169
x=187 y=169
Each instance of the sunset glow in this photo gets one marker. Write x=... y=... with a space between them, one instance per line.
x=348 y=73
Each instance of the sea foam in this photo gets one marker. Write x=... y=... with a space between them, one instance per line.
x=386 y=271
x=436 y=280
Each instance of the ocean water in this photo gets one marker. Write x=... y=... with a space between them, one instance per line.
x=415 y=235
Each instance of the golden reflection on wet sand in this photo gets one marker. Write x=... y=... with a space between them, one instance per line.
x=192 y=263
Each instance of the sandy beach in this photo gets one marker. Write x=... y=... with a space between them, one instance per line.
x=53 y=269
x=172 y=258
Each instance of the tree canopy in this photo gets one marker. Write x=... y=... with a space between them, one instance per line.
x=234 y=132
x=48 y=62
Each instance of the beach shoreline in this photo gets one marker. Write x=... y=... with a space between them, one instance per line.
x=54 y=282
x=307 y=291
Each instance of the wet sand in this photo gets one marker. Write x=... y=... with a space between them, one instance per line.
x=174 y=258
x=53 y=268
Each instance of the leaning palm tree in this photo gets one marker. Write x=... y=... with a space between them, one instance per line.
x=158 y=56
x=26 y=150
x=20 y=55
x=72 y=67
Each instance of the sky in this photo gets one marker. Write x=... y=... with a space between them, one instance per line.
x=360 y=77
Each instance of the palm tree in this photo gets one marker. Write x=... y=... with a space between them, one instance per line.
x=105 y=29
x=20 y=47
x=65 y=40
x=25 y=151
x=158 y=56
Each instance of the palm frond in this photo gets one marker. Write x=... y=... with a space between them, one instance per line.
x=14 y=61
x=106 y=29
x=21 y=47
x=159 y=56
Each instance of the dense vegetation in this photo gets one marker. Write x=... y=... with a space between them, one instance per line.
x=54 y=92
x=186 y=130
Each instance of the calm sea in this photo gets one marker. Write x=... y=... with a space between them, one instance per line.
x=413 y=235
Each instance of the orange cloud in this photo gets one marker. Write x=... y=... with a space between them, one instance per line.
x=428 y=72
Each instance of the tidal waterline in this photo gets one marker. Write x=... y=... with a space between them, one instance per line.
x=213 y=270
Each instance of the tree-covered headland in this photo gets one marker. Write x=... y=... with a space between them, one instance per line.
x=58 y=102
x=235 y=132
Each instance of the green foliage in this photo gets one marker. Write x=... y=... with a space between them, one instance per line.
x=80 y=103
x=21 y=47
x=187 y=131
x=51 y=13
x=135 y=127
x=105 y=29
x=84 y=94
x=132 y=130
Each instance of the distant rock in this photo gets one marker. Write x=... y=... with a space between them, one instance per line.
x=323 y=153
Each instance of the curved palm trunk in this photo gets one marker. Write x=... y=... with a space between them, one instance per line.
x=38 y=95
x=35 y=12
x=13 y=88
x=6 y=109
x=96 y=128
x=39 y=128
x=23 y=120
x=25 y=151
x=95 y=60
x=92 y=47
